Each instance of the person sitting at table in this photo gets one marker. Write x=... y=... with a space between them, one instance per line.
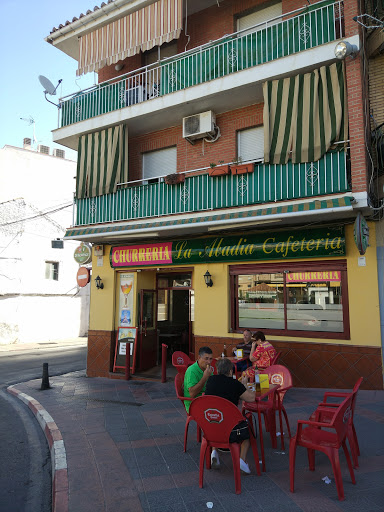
x=197 y=374
x=225 y=386
x=246 y=347
x=262 y=353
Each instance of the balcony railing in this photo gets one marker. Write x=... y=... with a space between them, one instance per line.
x=268 y=183
x=295 y=32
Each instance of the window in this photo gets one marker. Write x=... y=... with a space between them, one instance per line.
x=250 y=144
x=296 y=299
x=160 y=52
x=159 y=163
x=52 y=270
x=151 y=57
x=259 y=16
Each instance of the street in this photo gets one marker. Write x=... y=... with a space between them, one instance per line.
x=25 y=469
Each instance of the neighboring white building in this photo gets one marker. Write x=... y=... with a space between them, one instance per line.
x=39 y=296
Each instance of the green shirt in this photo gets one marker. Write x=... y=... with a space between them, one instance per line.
x=193 y=375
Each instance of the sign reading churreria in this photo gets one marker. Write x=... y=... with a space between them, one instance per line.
x=248 y=247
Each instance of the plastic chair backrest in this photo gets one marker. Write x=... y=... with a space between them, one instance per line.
x=179 y=381
x=354 y=394
x=180 y=359
x=276 y=358
x=213 y=366
x=278 y=374
x=216 y=417
x=342 y=418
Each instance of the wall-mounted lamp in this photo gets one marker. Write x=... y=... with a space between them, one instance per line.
x=343 y=49
x=99 y=284
x=119 y=67
x=208 y=279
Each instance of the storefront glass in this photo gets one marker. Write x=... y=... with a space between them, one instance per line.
x=297 y=301
x=261 y=301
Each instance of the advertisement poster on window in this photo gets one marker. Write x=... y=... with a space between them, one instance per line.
x=126 y=295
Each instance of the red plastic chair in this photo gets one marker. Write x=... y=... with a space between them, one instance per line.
x=181 y=361
x=213 y=366
x=179 y=387
x=276 y=358
x=192 y=356
x=278 y=374
x=216 y=417
x=237 y=372
x=314 y=438
x=326 y=417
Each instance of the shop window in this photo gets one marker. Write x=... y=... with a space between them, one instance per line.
x=52 y=270
x=159 y=163
x=260 y=16
x=250 y=144
x=295 y=299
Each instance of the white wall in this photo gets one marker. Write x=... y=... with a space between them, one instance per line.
x=31 y=306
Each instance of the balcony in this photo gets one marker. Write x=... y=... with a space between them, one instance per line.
x=201 y=192
x=295 y=32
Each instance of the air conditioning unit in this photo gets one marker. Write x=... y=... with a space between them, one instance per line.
x=43 y=149
x=59 y=153
x=199 y=125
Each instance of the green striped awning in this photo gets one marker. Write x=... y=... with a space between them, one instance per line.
x=102 y=162
x=305 y=114
x=320 y=206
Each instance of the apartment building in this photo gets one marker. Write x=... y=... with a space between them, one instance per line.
x=224 y=180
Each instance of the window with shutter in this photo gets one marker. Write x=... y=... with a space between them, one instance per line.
x=159 y=163
x=250 y=144
x=260 y=16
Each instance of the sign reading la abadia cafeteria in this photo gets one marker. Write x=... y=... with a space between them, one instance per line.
x=248 y=247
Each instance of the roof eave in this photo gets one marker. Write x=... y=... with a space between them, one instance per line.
x=66 y=38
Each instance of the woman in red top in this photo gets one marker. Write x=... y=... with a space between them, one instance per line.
x=262 y=353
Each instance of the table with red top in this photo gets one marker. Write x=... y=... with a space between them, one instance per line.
x=260 y=394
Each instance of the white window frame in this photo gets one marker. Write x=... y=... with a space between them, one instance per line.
x=251 y=138
x=52 y=270
x=260 y=16
x=167 y=162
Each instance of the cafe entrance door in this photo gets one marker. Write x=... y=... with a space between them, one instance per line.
x=148 y=329
x=174 y=311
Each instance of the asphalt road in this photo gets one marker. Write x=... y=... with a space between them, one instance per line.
x=25 y=463
x=20 y=366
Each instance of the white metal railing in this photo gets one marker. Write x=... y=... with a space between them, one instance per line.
x=296 y=31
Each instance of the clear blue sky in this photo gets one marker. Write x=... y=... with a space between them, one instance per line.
x=25 y=55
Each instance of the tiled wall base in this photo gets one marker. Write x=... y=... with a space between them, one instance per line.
x=101 y=348
x=318 y=365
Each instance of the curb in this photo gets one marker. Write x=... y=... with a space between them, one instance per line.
x=60 y=490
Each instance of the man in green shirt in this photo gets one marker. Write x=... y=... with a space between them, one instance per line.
x=197 y=375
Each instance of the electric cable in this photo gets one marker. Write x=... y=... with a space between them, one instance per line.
x=42 y=214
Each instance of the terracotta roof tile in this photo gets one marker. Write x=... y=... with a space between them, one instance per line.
x=89 y=11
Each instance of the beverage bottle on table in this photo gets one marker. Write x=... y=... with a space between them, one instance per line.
x=257 y=379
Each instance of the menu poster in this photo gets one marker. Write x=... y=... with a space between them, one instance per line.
x=125 y=335
x=126 y=294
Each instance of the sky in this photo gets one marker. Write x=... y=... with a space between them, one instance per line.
x=25 y=55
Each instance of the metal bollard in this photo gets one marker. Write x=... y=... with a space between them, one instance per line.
x=45 y=379
x=164 y=362
x=127 y=361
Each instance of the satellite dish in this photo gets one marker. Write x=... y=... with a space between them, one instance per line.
x=49 y=88
x=48 y=85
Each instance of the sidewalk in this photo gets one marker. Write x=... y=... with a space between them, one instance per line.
x=124 y=452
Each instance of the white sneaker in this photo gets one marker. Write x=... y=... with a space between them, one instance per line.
x=244 y=467
x=215 y=461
